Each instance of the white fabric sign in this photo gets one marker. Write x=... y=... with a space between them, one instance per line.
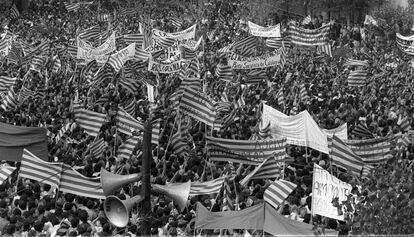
x=182 y=35
x=89 y=53
x=325 y=187
x=270 y=31
x=299 y=129
x=150 y=90
x=266 y=60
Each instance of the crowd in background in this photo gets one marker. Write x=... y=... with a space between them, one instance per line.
x=29 y=208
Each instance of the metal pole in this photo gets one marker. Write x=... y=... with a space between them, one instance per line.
x=146 y=182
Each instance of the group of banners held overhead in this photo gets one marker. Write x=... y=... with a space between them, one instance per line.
x=267 y=60
x=269 y=32
x=406 y=43
x=100 y=54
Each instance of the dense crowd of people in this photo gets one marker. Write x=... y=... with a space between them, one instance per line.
x=29 y=208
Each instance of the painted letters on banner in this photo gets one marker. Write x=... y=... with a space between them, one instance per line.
x=182 y=35
x=326 y=187
x=159 y=67
x=266 y=60
x=270 y=31
x=89 y=53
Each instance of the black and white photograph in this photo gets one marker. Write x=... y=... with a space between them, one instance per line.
x=230 y=118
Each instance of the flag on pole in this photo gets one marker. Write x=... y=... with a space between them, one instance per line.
x=25 y=93
x=344 y=157
x=307 y=20
x=14 y=12
x=5 y=172
x=356 y=63
x=404 y=123
x=73 y=182
x=357 y=78
x=268 y=169
x=362 y=131
x=206 y=188
x=126 y=149
x=127 y=124
x=98 y=147
x=277 y=192
x=63 y=130
x=6 y=82
x=90 y=121
x=10 y=101
x=326 y=49
x=57 y=64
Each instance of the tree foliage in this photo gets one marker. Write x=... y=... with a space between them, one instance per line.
x=385 y=203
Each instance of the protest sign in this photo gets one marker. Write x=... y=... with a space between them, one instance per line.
x=325 y=188
x=270 y=31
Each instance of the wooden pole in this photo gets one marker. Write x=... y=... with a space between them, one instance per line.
x=146 y=182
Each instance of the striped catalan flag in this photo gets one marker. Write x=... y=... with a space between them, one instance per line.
x=199 y=106
x=356 y=63
x=164 y=42
x=224 y=72
x=228 y=203
x=404 y=123
x=72 y=7
x=256 y=151
x=357 y=78
x=362 y=131
x=127 y=12
x=130 y=107
x=326 y=49
x=130 y=85
x=37 y=63
x=90 y=34
x=367 y=170
x=6 y=82
x=90 y=121
x=206 y=188
x=57 y=64
x=179 y=146
x=371 y=151
x=309 y=37
x=277 y=192
x=307 y=20
x=303 y=93
x=344 y=157
x=138 y=39
x=25 y=93
x=63 y=130
x=5 y=172
x=277 y=43
x=127 y=148
x=193 y=83
x=246 y=43
x=187 y=53
x=281 y=97
x=177 y=22
x=14 y=12
x=141 y=54
x=268 y=169
x=73 y=182
x=10 y=101
x=36 y=169
x=97 y=147
x=255 y=76
x=127 y=124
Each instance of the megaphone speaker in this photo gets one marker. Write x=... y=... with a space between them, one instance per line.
x=117 y=211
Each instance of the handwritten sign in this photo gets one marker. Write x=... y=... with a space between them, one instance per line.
x=266 y=60
x=325 y=187
x=270 y=31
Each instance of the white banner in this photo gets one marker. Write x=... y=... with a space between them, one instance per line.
x=89 y=53
x=325 y=187
x=266 y=60
x=182 y=35
x=4 y=51
x=299 y=129
x=270 y=31
x=118 y=59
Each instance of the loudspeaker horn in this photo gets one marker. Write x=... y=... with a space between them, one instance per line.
x=117 y=211
x=111 y=182
x=177 y=191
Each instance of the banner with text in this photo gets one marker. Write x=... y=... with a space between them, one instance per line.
x=325 y=188
x=182 y=35
x=270 y=31
x=263 y=61
x=89 y=53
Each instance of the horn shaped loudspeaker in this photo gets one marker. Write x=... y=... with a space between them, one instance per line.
x=177 y=191
x=117 y=211
x=111 y=182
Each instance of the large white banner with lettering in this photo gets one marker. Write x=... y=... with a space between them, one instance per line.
x=270 y=31
x=325 y=188
x=89 y=53
x=182 y=35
